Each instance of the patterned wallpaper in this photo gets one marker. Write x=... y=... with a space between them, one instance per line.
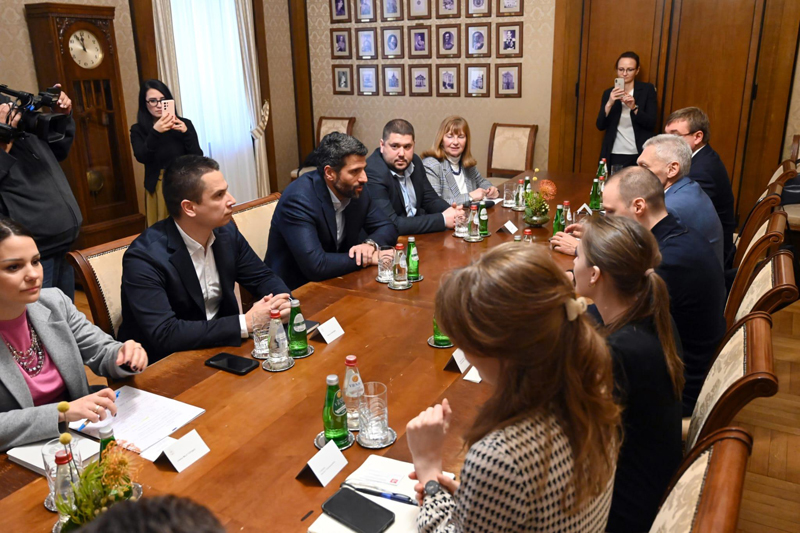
x=426 y=113
x=281 y=88
x=793 y=120
x=17 y=69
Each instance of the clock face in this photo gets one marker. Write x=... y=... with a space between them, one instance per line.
x=85 y=49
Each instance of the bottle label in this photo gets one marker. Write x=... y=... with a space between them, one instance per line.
x=354 y=386
x=414 y=254
x=299 y=325
x=484 y=216
x=339 y=408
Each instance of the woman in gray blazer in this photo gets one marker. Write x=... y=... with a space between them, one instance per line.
x=450 y=167
x=46 y=342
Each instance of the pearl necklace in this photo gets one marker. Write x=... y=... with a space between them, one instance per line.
x=32 y=360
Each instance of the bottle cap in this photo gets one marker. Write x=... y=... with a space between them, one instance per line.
x=351 y=360
x=412 y=239
x=106 y=432
x=332 y=380
x=483 y=202
x=520 y=181
x=517 y=237
x=474 y=207
x=595 y=179
x=63 y=457
x=294 y=302
x=400 y=246
x=566 y=203
x=560 y=206
x=528 y=231
x=274 y=313
x=602 y=178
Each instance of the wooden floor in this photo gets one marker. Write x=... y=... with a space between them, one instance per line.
x=771 y=500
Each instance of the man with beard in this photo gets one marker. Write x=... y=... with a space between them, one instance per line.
x=326 y=223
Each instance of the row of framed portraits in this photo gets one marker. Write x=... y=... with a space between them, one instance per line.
x=391 y=10
x=477 y=41
x=448 y=82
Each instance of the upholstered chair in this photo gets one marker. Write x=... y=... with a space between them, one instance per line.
x=770 y=288
x=510 y=150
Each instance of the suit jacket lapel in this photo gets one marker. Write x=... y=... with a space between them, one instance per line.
x=225 y=258
x=11 y=377
x=451 y=178
x=324 y=196
x=181 y=260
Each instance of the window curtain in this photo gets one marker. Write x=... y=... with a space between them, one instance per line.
x=258 y=109
x=213 y=88
x=165 y=50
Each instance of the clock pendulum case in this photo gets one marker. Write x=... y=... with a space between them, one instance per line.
x=74 y=45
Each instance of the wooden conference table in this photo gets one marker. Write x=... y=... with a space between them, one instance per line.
x=260 y=427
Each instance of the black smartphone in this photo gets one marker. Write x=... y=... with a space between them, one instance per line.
x=358 y=512
x=232 y=363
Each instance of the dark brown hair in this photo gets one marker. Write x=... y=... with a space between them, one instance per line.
x=183 y=180
x=696 y=119
x=455 y=125
x=398 y=126
x=510 y=305
x=160 y=514
x=9 y=228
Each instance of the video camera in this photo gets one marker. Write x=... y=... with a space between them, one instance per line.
x=49 y=127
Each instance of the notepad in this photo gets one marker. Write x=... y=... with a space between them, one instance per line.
x=143 y=419
x=30 y=455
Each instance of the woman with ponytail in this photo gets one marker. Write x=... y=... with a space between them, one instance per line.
x=543 y=448
x=614 y=267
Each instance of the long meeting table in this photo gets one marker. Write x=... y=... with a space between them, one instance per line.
x=260 y=427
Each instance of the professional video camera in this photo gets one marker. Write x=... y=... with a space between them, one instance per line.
x=49 y=127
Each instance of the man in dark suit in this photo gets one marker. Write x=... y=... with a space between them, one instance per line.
x=400 y=187
x=708 y=170
x=326 y=224
x=178 y=276
x=692 y=273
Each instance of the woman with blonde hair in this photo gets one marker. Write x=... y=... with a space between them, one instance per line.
x=450 y=167
x=614 y=267
x=543 y=448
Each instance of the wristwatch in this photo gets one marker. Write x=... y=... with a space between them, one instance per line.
x=635 y=108
x=432 y=487
x=373 y=244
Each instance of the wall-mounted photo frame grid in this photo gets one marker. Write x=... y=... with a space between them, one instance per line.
x=432 y=37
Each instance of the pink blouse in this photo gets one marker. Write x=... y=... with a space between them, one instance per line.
x=47 y=386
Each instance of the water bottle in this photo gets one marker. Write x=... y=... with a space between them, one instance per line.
x=278 y=345
x=353 y=390
x=484 y=219
x=568 y=220
x=528 y=238
x=298 y=339
x=106 y=438
x=66 y=475
x=413 y=260
x=558 y=221
x=334 y=414
x=400 y=266
x=519 y=197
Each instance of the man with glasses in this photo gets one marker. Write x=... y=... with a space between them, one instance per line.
x=708 y=170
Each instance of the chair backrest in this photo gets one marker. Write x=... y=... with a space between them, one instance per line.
x=100 y=271
x=795 y=152
x=766 y=203
x=764 y=242
x=706 y=492
x=742 y=371
x=786 y=171
x=771 y=287
x=254 y=218
x=326 y=125
x=511 y=149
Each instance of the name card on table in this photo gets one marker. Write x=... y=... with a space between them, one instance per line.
x=509 y=227
x=182 y=452
x=459 y=360
x=330 y=330
x=325 y=464
x=473 y=375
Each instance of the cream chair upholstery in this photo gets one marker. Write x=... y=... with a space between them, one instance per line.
x=793 y=216
x=786 y=171
x=100 y=272
x=326 y=125
x=254 y=219
x=771 y=287
x=510 y=150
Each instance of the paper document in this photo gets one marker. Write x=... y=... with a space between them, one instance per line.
x=143 y=419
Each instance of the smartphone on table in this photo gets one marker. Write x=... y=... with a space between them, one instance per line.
x=232 y=363
x=358 y=512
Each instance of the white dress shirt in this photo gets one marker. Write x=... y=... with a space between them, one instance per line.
x=338 y=207
x=409 y=194
x=695 y=152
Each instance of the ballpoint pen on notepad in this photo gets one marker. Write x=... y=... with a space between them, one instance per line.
x=402 y=498
x=87 y=421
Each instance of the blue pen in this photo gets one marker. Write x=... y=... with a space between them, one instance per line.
x=87 y=421
x=402 y=498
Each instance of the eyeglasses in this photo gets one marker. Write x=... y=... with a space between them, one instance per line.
x=626 y=70
x=154 y=101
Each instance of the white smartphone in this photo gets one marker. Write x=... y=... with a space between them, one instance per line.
x=619 y=83
x=168 y=107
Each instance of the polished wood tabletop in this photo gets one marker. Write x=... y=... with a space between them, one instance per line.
x=260 y=427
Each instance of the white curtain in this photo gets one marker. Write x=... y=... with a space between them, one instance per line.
x=213 y=88
x=165 y=50
x=258 y=110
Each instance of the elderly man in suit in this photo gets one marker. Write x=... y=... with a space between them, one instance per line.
x=178 y=276
x=326 y=223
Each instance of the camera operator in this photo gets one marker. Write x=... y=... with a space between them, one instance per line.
x=35 y=192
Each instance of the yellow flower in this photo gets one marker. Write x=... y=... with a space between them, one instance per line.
x=536 y=170
x=63 y=407
x=65 y=438
x=535 y=178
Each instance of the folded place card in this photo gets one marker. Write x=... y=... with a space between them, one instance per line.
x=457 y=360
x=473 y=375
x=182 y=452
x=325 y=464
x=330 y=330
x=509 y=227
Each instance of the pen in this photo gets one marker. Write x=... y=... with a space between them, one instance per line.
x=87 y=421
x=402 y=498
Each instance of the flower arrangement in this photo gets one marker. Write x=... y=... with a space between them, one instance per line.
x=537 y=208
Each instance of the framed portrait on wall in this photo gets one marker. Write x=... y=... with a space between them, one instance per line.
x=446 y=9
x=393 y=83
x=367 y=80
x=419 y=9
x=479 y=8
x=419 y=42
x=448 y=80
x=340 y=43
x=508 y=80
x=366 y=43
x=340 y=11
x=419 y=80
x=448 y=40
x=392 y=41
x=391 y=10
x=510 y=8
x=342 y=79
x=479 y=40
x=509 y=40
x=365 y=11
x=476 y=80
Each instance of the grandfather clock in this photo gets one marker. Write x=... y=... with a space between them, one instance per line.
x=74 y=45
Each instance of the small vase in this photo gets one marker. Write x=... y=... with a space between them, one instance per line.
x=536 y=221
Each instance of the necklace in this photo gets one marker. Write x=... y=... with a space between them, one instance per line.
x=32 y=360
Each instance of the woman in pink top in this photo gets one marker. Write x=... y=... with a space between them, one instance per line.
x=45 y=343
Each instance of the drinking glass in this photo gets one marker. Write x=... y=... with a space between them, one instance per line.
x=615 y=169
x=508 y=195
x=373 y=415
x=260 y=336
x=385 y=259
x=461 y=226
x=49 y=459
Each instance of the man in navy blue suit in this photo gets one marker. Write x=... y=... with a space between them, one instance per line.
x=178 y=276
x=708 y=170
x=326 y=223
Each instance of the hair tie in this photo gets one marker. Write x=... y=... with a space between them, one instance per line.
x=648 y=272
x=575 y=307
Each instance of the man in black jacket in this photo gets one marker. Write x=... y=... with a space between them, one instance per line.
x=35 y=192
x=399 y=186
x=178 y=276
x=708 y=170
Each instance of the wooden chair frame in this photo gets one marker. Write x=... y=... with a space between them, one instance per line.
x=765 y=246
x=79 y=259
x=789 y=171
x=795 y=152
x=509 y=172
x=350 y=122
x=758 y=214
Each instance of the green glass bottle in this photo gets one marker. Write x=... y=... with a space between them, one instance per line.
x=558 y=221
x=594 y=196
x=527 y=184
x=483 y=215
x=439 y=338
x=334 y=414
x=106 y=437
x=413 y=260
x=298 y=339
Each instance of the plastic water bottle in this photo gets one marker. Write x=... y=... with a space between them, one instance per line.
x=353 y=390
x=400 y=266
x=66 y=475
x=278 y=345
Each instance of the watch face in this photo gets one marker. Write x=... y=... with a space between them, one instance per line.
x=85 y=49
x=432 y=487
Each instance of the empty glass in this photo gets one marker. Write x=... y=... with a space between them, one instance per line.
x=385 y=258
x=508 y=195
x=373 y=416
x=49 y=458
x=260 y=336
x=462 y=230
x=615 y=169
